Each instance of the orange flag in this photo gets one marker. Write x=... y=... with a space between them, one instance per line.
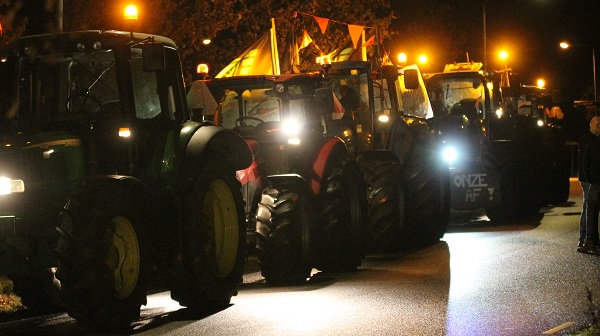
x=370 y=41
x=355 y=32
x=323 y=22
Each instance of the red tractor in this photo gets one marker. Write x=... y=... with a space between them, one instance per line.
x=305 y=197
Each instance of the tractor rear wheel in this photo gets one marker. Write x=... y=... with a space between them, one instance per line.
x=214 y=240
x=427 y=213
x=343 y=239
x=385 y=197
x=284 y=233
x=103 y=251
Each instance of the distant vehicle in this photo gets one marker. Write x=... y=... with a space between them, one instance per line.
x=503 y=155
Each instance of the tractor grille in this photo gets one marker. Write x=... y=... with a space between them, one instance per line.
x=22 y=164
x=276 y=158
x=46 y=184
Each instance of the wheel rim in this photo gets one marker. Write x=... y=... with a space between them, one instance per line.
x=221 y=245
x=123 y=256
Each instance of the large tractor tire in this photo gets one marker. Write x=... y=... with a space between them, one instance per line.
x=214 y=240
x=285 y=229
x=425 y=181
x=385 y=197
x=343 y=237
x=103 y=253
x=520 y=181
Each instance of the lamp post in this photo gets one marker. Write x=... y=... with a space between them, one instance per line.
x=566 y=45
x=504 y=55
x=484 y=37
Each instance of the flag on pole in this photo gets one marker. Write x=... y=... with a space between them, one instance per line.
x=305 y=41
x=261 y=58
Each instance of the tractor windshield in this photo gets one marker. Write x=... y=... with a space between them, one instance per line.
x=458 y=95
x=250 y=107
x=49 y=91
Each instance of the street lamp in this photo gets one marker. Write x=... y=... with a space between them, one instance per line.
x=422 y=59
x=504 y=55
x=541 y=82
x=484 y=38
x=566 y=45
x=402 y=58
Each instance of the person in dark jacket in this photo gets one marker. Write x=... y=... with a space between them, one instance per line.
x=591 y=135
x=589 y=176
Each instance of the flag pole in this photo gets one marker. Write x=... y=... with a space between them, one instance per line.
x=274 y=52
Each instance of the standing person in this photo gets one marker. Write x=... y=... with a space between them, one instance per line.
x=589 y=177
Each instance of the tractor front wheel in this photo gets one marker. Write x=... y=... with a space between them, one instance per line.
x=103 y=252
x=284 y=233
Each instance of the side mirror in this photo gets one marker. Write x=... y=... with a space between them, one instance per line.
x=153 y=57
x=411 y=79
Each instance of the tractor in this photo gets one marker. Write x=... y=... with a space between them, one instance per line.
x=504 y=156
x=385 y=124
x=305 y=200
x=108 y=178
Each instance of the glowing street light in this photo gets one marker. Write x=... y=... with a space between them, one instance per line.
x=541 y=83
x=402 y=58
x=422 y=59
x=504 y=56
x=566 y=45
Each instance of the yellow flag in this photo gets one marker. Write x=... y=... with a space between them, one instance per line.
x=306 y=40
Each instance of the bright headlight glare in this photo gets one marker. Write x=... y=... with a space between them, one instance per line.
x=450 y=154
x=499 y=112
x=384 y=118
x=291 y=127
x=540 y=123
x=8 y=186
x=294 y=141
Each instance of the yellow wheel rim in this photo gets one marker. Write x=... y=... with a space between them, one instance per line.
x=221 y=245
x=123 y=256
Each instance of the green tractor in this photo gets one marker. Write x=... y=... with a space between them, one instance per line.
x=385 y=124
x=305 y=199
x=105 y=177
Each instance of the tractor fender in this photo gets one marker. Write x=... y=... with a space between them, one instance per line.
x=400 y=139
x=211 y=142
x=133 y=186
x=318 y=166
x=288 y=179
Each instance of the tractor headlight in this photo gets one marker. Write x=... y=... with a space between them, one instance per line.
x=450 y=154
x=540 y=122
x=8 y=186
x=292 y=129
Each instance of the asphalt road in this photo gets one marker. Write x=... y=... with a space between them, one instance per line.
x=482 y=279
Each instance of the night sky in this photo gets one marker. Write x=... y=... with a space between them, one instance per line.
x=530 y=30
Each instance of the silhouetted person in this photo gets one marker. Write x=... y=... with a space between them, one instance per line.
x=589 y=177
